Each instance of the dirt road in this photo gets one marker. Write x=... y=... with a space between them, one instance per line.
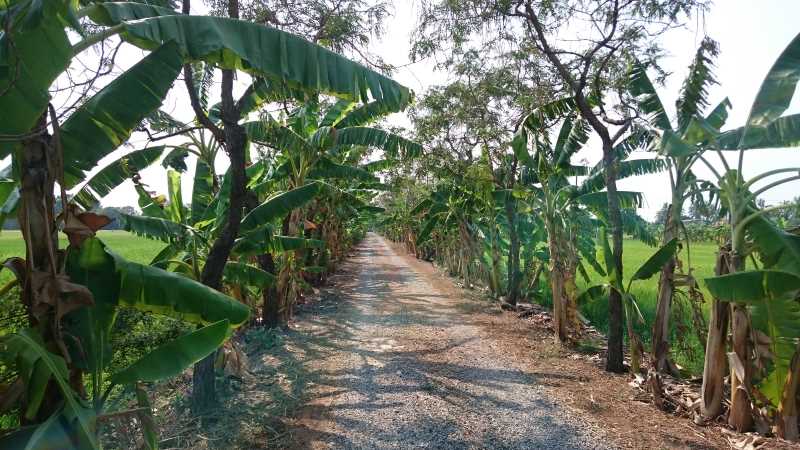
x=402 y=361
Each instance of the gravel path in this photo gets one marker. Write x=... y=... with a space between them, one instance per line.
x=401 y=363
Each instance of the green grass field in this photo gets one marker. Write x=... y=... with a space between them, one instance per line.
x=689 y=351
x=130 y=246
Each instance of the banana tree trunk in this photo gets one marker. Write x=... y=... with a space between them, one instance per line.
x=513 y=252
x=716 y=361
x=666 y=290
x=495 y=271
x=787 y=410
x=37 y=222
x=557 y=277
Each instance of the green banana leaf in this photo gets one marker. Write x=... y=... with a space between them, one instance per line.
x=753 y=286
x=278 y=206
x=247 y=275
x=264 y=241
x=202 y=191
x=778 y=87
x=693 y=97
x=427 y=229
x=335 y=113
x=26 y=72
x=656 y=261
x=363 y=115
x=156 y=228
x=25 y=351
x=771 y=296
x=175 y=206
x=782 y=132
x=107 y=119
x=640 y=86
x=394 y=145
x=175 y=356
x=112 y=13
x=109 y=177
x=671 y=144
x=261 y=50
x=327 y=169
x=154 y=290
x=151 y=207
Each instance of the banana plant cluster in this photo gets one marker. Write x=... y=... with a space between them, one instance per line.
x=757 y=307
x=73 y=295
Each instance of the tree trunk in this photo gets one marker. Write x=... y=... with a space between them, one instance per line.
x=715 y=360
x=666 y=290
x=270 y=316
x=203 y=384
x=614 y=361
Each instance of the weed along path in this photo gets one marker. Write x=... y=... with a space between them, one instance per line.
x=403 y=361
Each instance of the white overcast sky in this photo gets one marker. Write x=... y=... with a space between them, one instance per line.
x=751 y=35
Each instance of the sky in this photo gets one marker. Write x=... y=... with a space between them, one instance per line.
x=751 y=35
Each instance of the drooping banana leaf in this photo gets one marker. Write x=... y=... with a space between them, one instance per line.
x=151 y=206
x=107 y=119
x=545 y=115
x=363 y=115
x=325 y=168
x=278 y=206
x=175 y=356
x=264 y=241
x=572 y=136
x=240 y=273
x=782 y=132
x=154 y=290
x=427 y=229
x=394 y=145
x=656 y=261
x=109 y=177
x=753 y=286
x=265 y=51
x=335 y=113
x=40 y=53
x=778 y=87
x=640 y=86
x=156 y=228
x=112 y=13
x=25 y=350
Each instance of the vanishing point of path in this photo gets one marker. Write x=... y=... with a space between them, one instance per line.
x=400 y=361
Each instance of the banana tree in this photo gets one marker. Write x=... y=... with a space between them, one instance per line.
x=34 y=29
x=616 y=282
x=680 y=145
x=551 y=190
x=95 y=284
